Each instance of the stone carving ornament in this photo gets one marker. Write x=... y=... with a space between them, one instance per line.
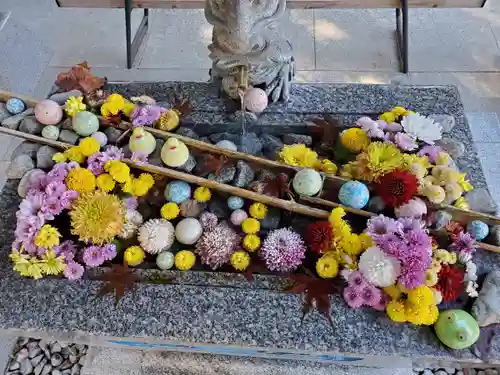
x=244 y=35
x=486 y=308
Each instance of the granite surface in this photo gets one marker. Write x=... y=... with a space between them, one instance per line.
x=225 y=309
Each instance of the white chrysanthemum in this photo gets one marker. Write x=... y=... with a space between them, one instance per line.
x=464 y=257
x=471 y=289
x=422 y=128
x=470 y=271
x=416 y=207
x=133 y=219
x=156 y=235
x=379 y=268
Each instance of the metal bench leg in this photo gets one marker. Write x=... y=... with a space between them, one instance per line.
x=402 y=35
x=133 y=45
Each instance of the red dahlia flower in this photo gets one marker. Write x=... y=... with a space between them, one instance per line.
x=450 y=282
x=319 y=236
x=397 y=188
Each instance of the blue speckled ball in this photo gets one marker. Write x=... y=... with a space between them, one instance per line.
x=235 y=203
x=15 y=106
x=478 y=229
x=354 y=194
x=177 y=191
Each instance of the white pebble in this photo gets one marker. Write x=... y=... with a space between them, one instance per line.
x=227 y=145
x=427 y=372
x=481 y=372
x=450 y=370
x=101 y=138
x=459 y=373
x=441 y=372
x=417 y=369
x=491 y=371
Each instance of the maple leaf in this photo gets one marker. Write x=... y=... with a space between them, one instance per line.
x=118 y=280
x=316 y=293
x=328 y=130
x=277 y=186
x=183 y=106
x=215 y=164
x=80 y=78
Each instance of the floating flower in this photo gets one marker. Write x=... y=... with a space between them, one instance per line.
x=397 y=187
x=283 y=250
x=378 y=268
x=97 y=217
x=170 y=211
x=327 y=267
x=355 y=140
x=47 y=237
x=147 y=115
x=216 y=246
x=89 y=146
x=258 y=210
x=74 y=105
x=298 y=155
x=81 y=180
x=73 y=271
x=92 y=256
x=202 y=194
x=319 y=236
x=250 y=225
x=118 y=170
x=134 y=255
x=184 y=260
x=240 y=260
x=251 y=242
x=422 y=128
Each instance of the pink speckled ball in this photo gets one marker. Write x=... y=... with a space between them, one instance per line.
x=255 y=100
x=48 y=112
x=238 y=216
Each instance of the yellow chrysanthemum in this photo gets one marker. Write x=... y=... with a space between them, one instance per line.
x=441 y=255
x=184 y=260
x=251 y=242
x=464 y=183
x=431 y=277
x=202 y=194
x=21 y=262
x=421 y=295
x=388 y=117
x=399 y=111
x=118 y=170
x=461 y=203
x=298 y=155
x=409 y=160
x=431 y=314
x=134 y=255
x=75 y=154
x=170 y=211
x=105 y=182
x=366 y=241
x=393 y=291
x=33 y=269
x=169 y=120
x=355 y=140
x=97 y=217
x=240 y=260
x=396 y=311
x=139 y=187
x=89 y=146
x=328 y=166
x=51 y=264
x=443 y=158
x=59 y=157
x=47 y=237
x=416 y=314
x=74 y=105
x=379 y=159
x=113 y=105
x=128 y=108
x=250 y=225
x=147 y=179
x=258 y=210
x=327 y=267
x=81 y=180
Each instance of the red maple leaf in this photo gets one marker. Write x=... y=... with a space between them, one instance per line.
x=277 y=186
x=118 y=280
x=327 y=130
x=79 y=77
x=183 y=106
x=215 y=164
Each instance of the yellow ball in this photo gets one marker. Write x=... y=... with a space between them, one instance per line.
x=251 y=242
x=184 y=260
x=250 y=225
x=170 y=211
x=258 y=210
x=202 y=194
x=240 y=260
x=134 y=255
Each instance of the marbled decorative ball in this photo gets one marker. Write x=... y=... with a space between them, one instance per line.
x=15 y=106
x=177 y=191
x=48 y=112
x=238 y=217
x=354 y=194
x=478 y=229
x=101 y=138
x=165 y=260
x=228 y=145
x=255 y=100
x=307 y=182
x=235 y=203
x=85 y=123
x=188 y=231
x=50 y=132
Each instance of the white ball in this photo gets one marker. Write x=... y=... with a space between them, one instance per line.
x=188 y=231
x=50 y=132
x=228 y=145
x=101 y=138
x=165 y=260
x=255 y=100
x=307 y=182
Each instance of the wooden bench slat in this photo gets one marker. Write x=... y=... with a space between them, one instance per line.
x=294 y=4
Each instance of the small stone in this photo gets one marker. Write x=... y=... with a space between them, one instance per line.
x=251 y=144
x=67 y=124
x=460 y=373
x=450 y=370
x=73 y=359
x=427 y=372
x=81 y=348
x=14 y=121
x=218 y=207
x=69 y=350
x=189 y=165
x=14 y=366
x=22 y=340
x=471 y=371
x=19 y=166
x=26 y=148
x=67 y=372
x=67 y=363
x=46 y=369
x=56 y=359
x=157 y=151
x=228 y=145
x=480 y=200
x=187 y=132
x=205 y=139
x=226 y=175
x=292 y=139
x=481 y=372
x=112 y=134
x=447 y=121
x=39 y=367
x=55 y=347
x=51 y=132
x=35 y=361
x=44 y=161
x=56 y=372
x=31 y=126
x=453 y=147
x=440 y=372
x=244 y=174
x=3 y=112
x=75 y=370
x=441 y=219
x=491 y=371
x=272 y=219
x=70 y=136
x=81 y=361
x=376 y=205
x=25 y=366
x=217 y=137
x=417 y=369
x=271 y=142
x=62 y=97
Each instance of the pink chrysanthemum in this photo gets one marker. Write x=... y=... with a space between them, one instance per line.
x=371 y=127
x=216 y=246
x=139 y=157
x=464 y=243
x=370 y=295
x=68 y=197
x=356 y=280
x=283 y=250
x=113 y=153
x=381 y=225
x=67 y=249
x=410 y=277
x=109 y=251
x=147 y=115
x=432 y=152
x=208 y=220
x=352 y=297
x=92 y=256
x=405 y=142
x=73 y=271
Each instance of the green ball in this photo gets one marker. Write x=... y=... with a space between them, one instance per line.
x=165 y=260
x=85 y=123
x=456 y=329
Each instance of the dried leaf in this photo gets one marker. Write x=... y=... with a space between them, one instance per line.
x=215 y=164
x=328 y=130
x=119 y=280
x=183 y=106
x=80 y=78
x=277 y=186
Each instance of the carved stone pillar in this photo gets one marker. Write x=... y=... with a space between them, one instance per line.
x=244 y=35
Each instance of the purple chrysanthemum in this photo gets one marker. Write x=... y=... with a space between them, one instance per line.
x=52 y=206
x=208 y=220
x=370 y=127
x=216 y=246
x=68 y=198
x=419 y=239
x=283 y=250
x=391 y=244
x=410 y=277
x=394 y=127
x=28 y=227
x=73 y=271
x=382 y=303
x=147 y=115
x=31 y=205
x=95 y=162
x=67 y=249
x=58 y=172
x=410 y=223
x=131 y=203
x=381 y=225
x=113 y=153
x=405 y=142
x=55 y=189
x=370 y=295
x=92 y=256
x=356 y=279
x=432 y=152
x=139 y=157
x=464 y=243
x=352 y=297
x=109 y=251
